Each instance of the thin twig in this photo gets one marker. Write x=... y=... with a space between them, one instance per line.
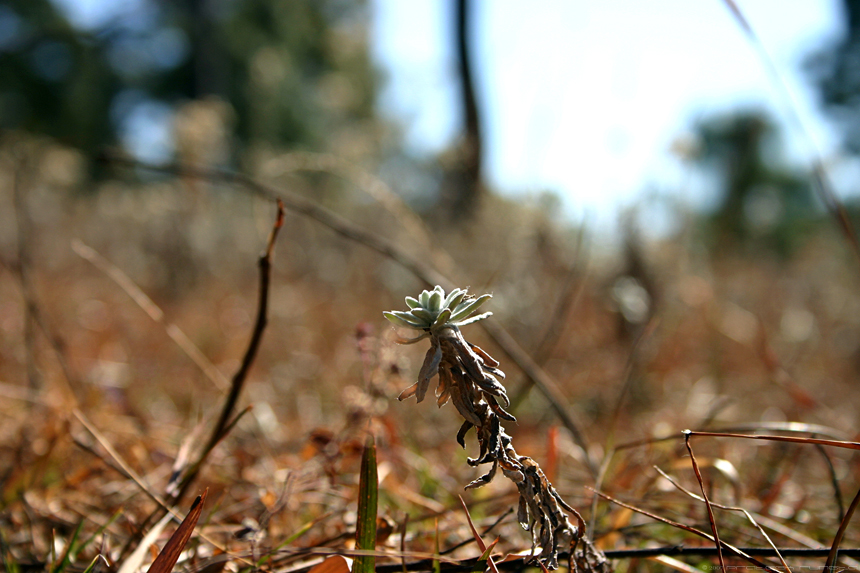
x=790 y=427
x=225 y=423
x=791 y=439
x=238 y=382
x=688 y=528
x=834 y=482
x=705 y=497
x=729 y=508
x=837 y=539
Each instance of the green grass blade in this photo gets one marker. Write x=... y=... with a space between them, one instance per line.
x=71 y=550
x=9 y=563
x=437 y=565
x=95 y=560
x=368 y=493
x=100 y=530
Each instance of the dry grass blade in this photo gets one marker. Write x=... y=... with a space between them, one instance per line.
x=707 y=501
x=133 y=562
x=837 y=540
x=790 y=439
x=485 y=551
x=673 y=563
x=170 y=554
x=368 y=494
x=687 y=528
x=731 y=508
x=123 y=465
x=153 y=311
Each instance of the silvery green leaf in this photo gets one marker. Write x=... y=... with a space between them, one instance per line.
x=423 y=315
x=466 y=309
x=475 y=318
x=451 y=296
x=399 y=319
x=435 y=302
x=424 y=299
x=455 y=301
x=442 y=318
x=412 y=340
x=412 y=303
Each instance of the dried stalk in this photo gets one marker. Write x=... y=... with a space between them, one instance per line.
x=469 y=377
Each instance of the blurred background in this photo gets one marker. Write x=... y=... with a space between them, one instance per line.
x=602 y=107
x=659 y=195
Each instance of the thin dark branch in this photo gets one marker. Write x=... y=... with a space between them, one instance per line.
x=688 y=528
x=225 y=424
x=711 y=518
x=834 y=482
x=418 y=268
x=486 y=530
x=791 y=439
x=837 y=539
x=24 y=263
x=238 y=382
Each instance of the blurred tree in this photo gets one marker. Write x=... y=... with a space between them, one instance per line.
x=461 y=186
x=291 y=71
x=54 y=79
x=760 y=200
x=836 y=72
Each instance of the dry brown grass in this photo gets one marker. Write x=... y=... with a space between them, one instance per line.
x=733 y=343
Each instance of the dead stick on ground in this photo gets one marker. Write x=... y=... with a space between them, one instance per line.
x=419 y=269
x=238 y=382
x=711 y=518
x=225 y=422
x=837 y=539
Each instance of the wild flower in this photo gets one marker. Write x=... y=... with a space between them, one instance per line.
x=470 y=378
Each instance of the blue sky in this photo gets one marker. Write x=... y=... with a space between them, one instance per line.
x=586 y=98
